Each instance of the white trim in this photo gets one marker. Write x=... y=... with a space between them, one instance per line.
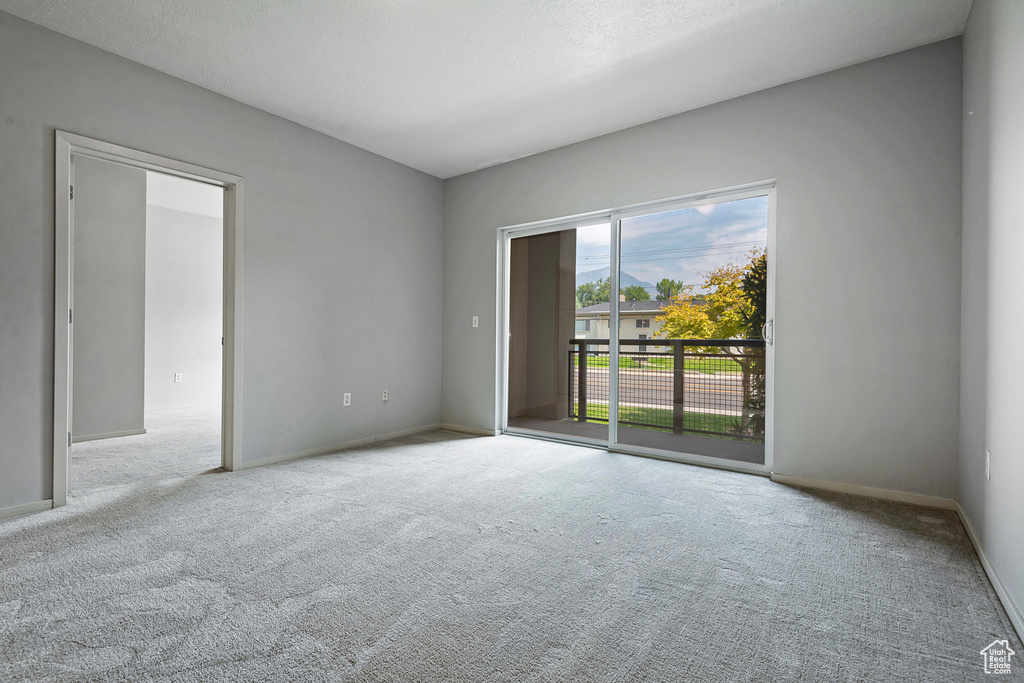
x=231 y=357
x=1012 y=611
x=766 y=188
x=16 y=510
x=693 y=459
x=347 y=445
x=503 y=306
x=408 y=432
x=506 y=234
x=554 y=437
x=758 y=189
x=63 y=263
x=769 y=349
x=587 y=217
x=107 y=151
x=558 y=225
x=866 y=491
x=614 y=325
x=107 y=435
x=468 y=430
x=69 y=145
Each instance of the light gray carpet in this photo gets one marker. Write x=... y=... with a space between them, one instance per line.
x=443 y=557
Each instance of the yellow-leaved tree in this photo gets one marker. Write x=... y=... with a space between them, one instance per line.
x=733 y=308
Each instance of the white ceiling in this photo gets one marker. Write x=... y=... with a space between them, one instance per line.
x=450 y=86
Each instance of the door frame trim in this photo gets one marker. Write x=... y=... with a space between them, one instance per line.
x=69 y=145
x=506 y=234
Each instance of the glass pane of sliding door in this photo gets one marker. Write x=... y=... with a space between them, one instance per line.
x=692 y=303
x=558 y=345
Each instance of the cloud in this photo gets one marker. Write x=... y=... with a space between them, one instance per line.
x=688 y=243
x=599 y=235
x=683 y=244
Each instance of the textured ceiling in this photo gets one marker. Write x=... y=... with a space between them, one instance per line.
x=449 y=86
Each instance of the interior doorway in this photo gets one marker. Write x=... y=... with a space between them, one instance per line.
x=147 y=301
x=647 y=330
x=148 y=272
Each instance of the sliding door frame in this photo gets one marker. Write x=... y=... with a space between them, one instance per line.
x=505 y=237
x=765 y=189
x=68 y=146
x=614 y=216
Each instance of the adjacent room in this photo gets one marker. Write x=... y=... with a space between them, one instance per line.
x=592 y=341
x=147 y=294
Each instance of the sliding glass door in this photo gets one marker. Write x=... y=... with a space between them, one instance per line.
x=645 y=329
x=694 y=280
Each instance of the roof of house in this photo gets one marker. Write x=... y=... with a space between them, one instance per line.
x=633 y=307
x=625 y=307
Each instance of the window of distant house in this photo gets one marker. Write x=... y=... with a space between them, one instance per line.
x=583 y=326
x=643 y=322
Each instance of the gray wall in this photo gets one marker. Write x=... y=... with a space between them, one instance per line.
x=868 y=326
x=334 y=236
x=991 y=400
x=184 y=306
x=109 y=298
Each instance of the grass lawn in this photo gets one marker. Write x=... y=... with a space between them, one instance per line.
x=707 y=365
x=662 y=416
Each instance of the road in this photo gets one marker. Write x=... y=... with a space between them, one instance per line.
x=720 y=393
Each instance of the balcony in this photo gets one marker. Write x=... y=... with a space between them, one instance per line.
x=682 y=395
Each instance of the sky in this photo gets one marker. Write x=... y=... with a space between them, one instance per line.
x=681 y=245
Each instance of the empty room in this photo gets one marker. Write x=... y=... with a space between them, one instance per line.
x=542 y=341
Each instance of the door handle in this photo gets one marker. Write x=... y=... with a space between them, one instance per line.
x=768 y=331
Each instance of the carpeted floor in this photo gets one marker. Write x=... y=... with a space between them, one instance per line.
x=443 y=557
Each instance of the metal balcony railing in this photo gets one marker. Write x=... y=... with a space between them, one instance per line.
x=714 y=387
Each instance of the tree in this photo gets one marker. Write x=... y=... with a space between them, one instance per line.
x=668 y=288
x=754 y=284
x=733 y=308
x=635 y=293
x=755 y=288
x=591 y=293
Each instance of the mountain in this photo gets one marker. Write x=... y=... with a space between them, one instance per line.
x=626 y=279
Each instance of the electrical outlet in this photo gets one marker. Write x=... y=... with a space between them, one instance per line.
x=476 y=321
x=384 y=395
x=988 y=465
x=177 y=377
x=346 y=400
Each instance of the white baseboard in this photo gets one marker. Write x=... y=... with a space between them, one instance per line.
x=407 y=432
x=37 y=506
x=867 y=491
x=355 y=443
x=108 y=435
x=468 y=430
x=1012 y=610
